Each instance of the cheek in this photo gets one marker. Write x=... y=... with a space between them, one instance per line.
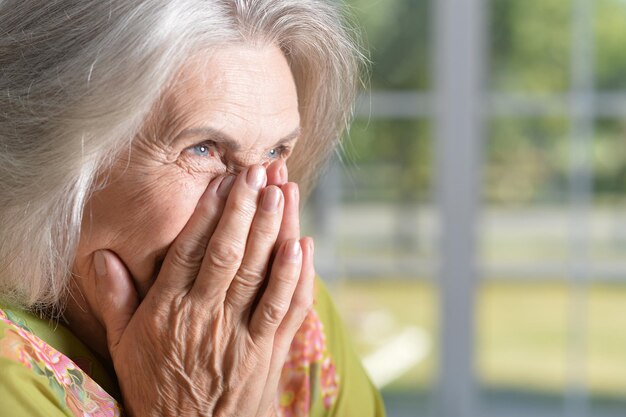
x=157 y=217
x=139 y=220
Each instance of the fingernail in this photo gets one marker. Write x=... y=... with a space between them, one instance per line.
x=224 y=189
x=292 y=249
x=311 y=246
x=271 y=198
x=256 y=177
x=100 y=263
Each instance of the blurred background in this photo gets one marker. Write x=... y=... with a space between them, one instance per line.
x=473 y=230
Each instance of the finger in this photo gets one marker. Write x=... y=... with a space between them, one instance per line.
x=302 y=299
x=227 y=246
x=276 y=299
x=117 y=297
x=183 y=259
x=251 y=274
x=301 y=304
x=277 y=173
x=290 y=227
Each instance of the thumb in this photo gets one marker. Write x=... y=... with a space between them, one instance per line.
x=117 y=296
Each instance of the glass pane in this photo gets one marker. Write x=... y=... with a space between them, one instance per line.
x=606 y=347
x=534 y=342
x=610 y=32
x=522 y=307
x=526 y=352
x=373 y=218
x=608 y=221
x=388 y=213
x=397 y=37
x=525 y=186
x=530 y=45
x=393 y=324
x=606 y=365
x=522 y=346
x=387 y=160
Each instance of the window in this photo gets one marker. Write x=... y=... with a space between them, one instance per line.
x=474 y=231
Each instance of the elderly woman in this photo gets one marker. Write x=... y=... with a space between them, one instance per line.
x=150 y=252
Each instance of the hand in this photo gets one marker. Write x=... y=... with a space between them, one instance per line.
x=198 y=344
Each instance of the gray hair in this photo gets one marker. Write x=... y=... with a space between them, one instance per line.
x=78 y=78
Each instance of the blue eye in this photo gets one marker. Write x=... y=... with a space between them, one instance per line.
x=203 y=149
x=278 y=152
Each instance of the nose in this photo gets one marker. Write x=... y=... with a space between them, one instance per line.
x=237 y=163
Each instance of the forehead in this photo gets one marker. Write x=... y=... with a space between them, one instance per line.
x=245 y=91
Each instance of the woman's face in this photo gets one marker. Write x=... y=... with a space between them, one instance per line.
x=236 y=108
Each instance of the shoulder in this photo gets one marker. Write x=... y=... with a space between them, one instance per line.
x=24 y=393
x=38 y=380
x=24 y=387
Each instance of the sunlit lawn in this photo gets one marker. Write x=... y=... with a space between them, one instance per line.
x=522 y=338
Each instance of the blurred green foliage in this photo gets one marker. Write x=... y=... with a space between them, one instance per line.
x=530 y=45
x=526 y=160
x=609 y=161
x=386 y=159
x=610 y=33
x=396 y=34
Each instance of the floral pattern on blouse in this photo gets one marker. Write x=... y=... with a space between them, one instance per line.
x=309 y=371
x=308 y=368
x=74 y=389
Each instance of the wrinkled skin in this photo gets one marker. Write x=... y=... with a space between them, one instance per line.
x=191 y=275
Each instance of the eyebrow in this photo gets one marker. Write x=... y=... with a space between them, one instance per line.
x=221 y=137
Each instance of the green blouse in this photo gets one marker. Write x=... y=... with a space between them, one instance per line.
x=46 y=371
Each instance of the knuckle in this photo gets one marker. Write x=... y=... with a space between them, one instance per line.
x=248 y=276
x=186 y=255
x=243 y=207
x=300 y=318
x=285 y=278
x=273 y=313
x=289 y=329
x=264 y=230
x=303 y=302
x=223 y=256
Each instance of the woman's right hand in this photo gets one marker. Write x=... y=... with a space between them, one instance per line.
x=203 y=341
